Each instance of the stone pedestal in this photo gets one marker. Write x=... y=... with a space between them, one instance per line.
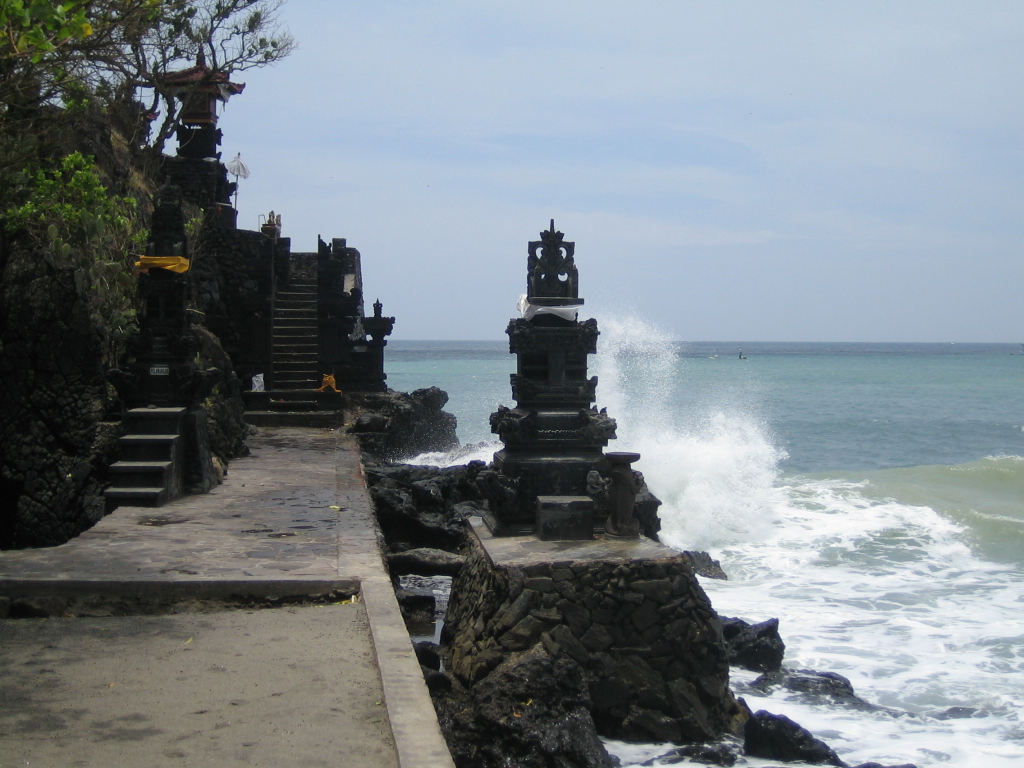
x=631 y=614
x=565 y=518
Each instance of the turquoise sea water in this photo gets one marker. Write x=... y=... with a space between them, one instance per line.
x=871 y=496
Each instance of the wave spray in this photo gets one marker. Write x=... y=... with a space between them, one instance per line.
x=706 y=455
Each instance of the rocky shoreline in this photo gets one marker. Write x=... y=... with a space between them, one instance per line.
x=537 y=663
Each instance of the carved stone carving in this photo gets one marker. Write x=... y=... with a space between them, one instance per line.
x=521 y=337
x=525 y=390
x=588 y=334
x=514 y=427
x=597 y=489
x=596 y=428
x=622 y=491
x=552 y=273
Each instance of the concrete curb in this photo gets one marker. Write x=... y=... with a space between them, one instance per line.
x=414 y=727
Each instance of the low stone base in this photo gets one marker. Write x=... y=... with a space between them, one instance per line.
x=565 y=518
x=630 y=613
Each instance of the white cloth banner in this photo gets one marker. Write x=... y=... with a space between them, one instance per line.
x=528 y=311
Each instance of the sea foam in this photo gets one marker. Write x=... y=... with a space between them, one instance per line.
x=887 y=593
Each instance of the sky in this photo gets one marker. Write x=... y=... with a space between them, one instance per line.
x=761 y=171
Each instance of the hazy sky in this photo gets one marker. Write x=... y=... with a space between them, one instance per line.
x=778 y=171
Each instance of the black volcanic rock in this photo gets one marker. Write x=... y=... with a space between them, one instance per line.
x=753 y=646
x=532 y=711
x=776 y=737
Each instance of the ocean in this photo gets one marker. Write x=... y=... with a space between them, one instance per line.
x=869 y=496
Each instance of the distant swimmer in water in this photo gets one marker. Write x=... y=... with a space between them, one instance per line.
x=741 y=355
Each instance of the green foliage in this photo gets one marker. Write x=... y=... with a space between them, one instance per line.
x=33 y=28
x=74 y=223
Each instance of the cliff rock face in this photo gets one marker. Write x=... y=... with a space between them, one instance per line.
x=52 y=450
x=643 y=633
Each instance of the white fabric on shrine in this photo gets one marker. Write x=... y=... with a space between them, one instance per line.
x=528 y=311
x=237 y=168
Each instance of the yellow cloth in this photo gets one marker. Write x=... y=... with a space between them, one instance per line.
x=170 y=263
x=328 y=382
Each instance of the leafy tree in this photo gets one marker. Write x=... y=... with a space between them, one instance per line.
x=33 y=29
x=73 y=223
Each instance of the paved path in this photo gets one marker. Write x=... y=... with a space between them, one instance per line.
x=304 y=685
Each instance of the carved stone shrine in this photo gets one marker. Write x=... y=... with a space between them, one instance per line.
x=553 y=438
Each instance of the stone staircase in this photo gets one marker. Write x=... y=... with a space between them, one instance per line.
x=296 y=344
x=149 y=472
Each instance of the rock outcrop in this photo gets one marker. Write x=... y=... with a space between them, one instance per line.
x=393 y=426
x=531 y=711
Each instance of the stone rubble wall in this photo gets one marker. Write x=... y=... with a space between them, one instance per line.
x=643 y=631
x=52 y=446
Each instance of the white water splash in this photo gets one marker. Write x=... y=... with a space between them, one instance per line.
x=462 y=455
x=714 y=466
x=885 y=593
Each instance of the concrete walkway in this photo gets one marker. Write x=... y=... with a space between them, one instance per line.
x=328 y=684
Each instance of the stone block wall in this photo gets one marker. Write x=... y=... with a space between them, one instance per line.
x=643 y=631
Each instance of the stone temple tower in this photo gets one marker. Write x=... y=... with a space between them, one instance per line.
x=554 y=436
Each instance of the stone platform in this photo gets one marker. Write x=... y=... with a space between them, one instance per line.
x=334 y=684
x=527 y=551
x=631 y=614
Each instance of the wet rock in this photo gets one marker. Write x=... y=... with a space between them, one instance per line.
x=401 y=519
x=424 y=561
x=417 y=608
x=824 y=687
x=370 y=422
x=532 y=711
x=776 y=737
x=756 y=647
x=397 y=425
x=725 y=753
x=424 y=506
x=703 y=565
x=956 y=713
x=427 y=654
x=437 y=682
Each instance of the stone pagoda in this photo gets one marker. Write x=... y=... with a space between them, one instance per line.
x=554 y=436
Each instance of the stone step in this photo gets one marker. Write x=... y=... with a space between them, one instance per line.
x=289 y=380
x=295 y=298
x=136 y=496
x=295 y=324
x=289 y=406
x=147 y=447
x=289 y=352
x=141 y=474
x=152 y=421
